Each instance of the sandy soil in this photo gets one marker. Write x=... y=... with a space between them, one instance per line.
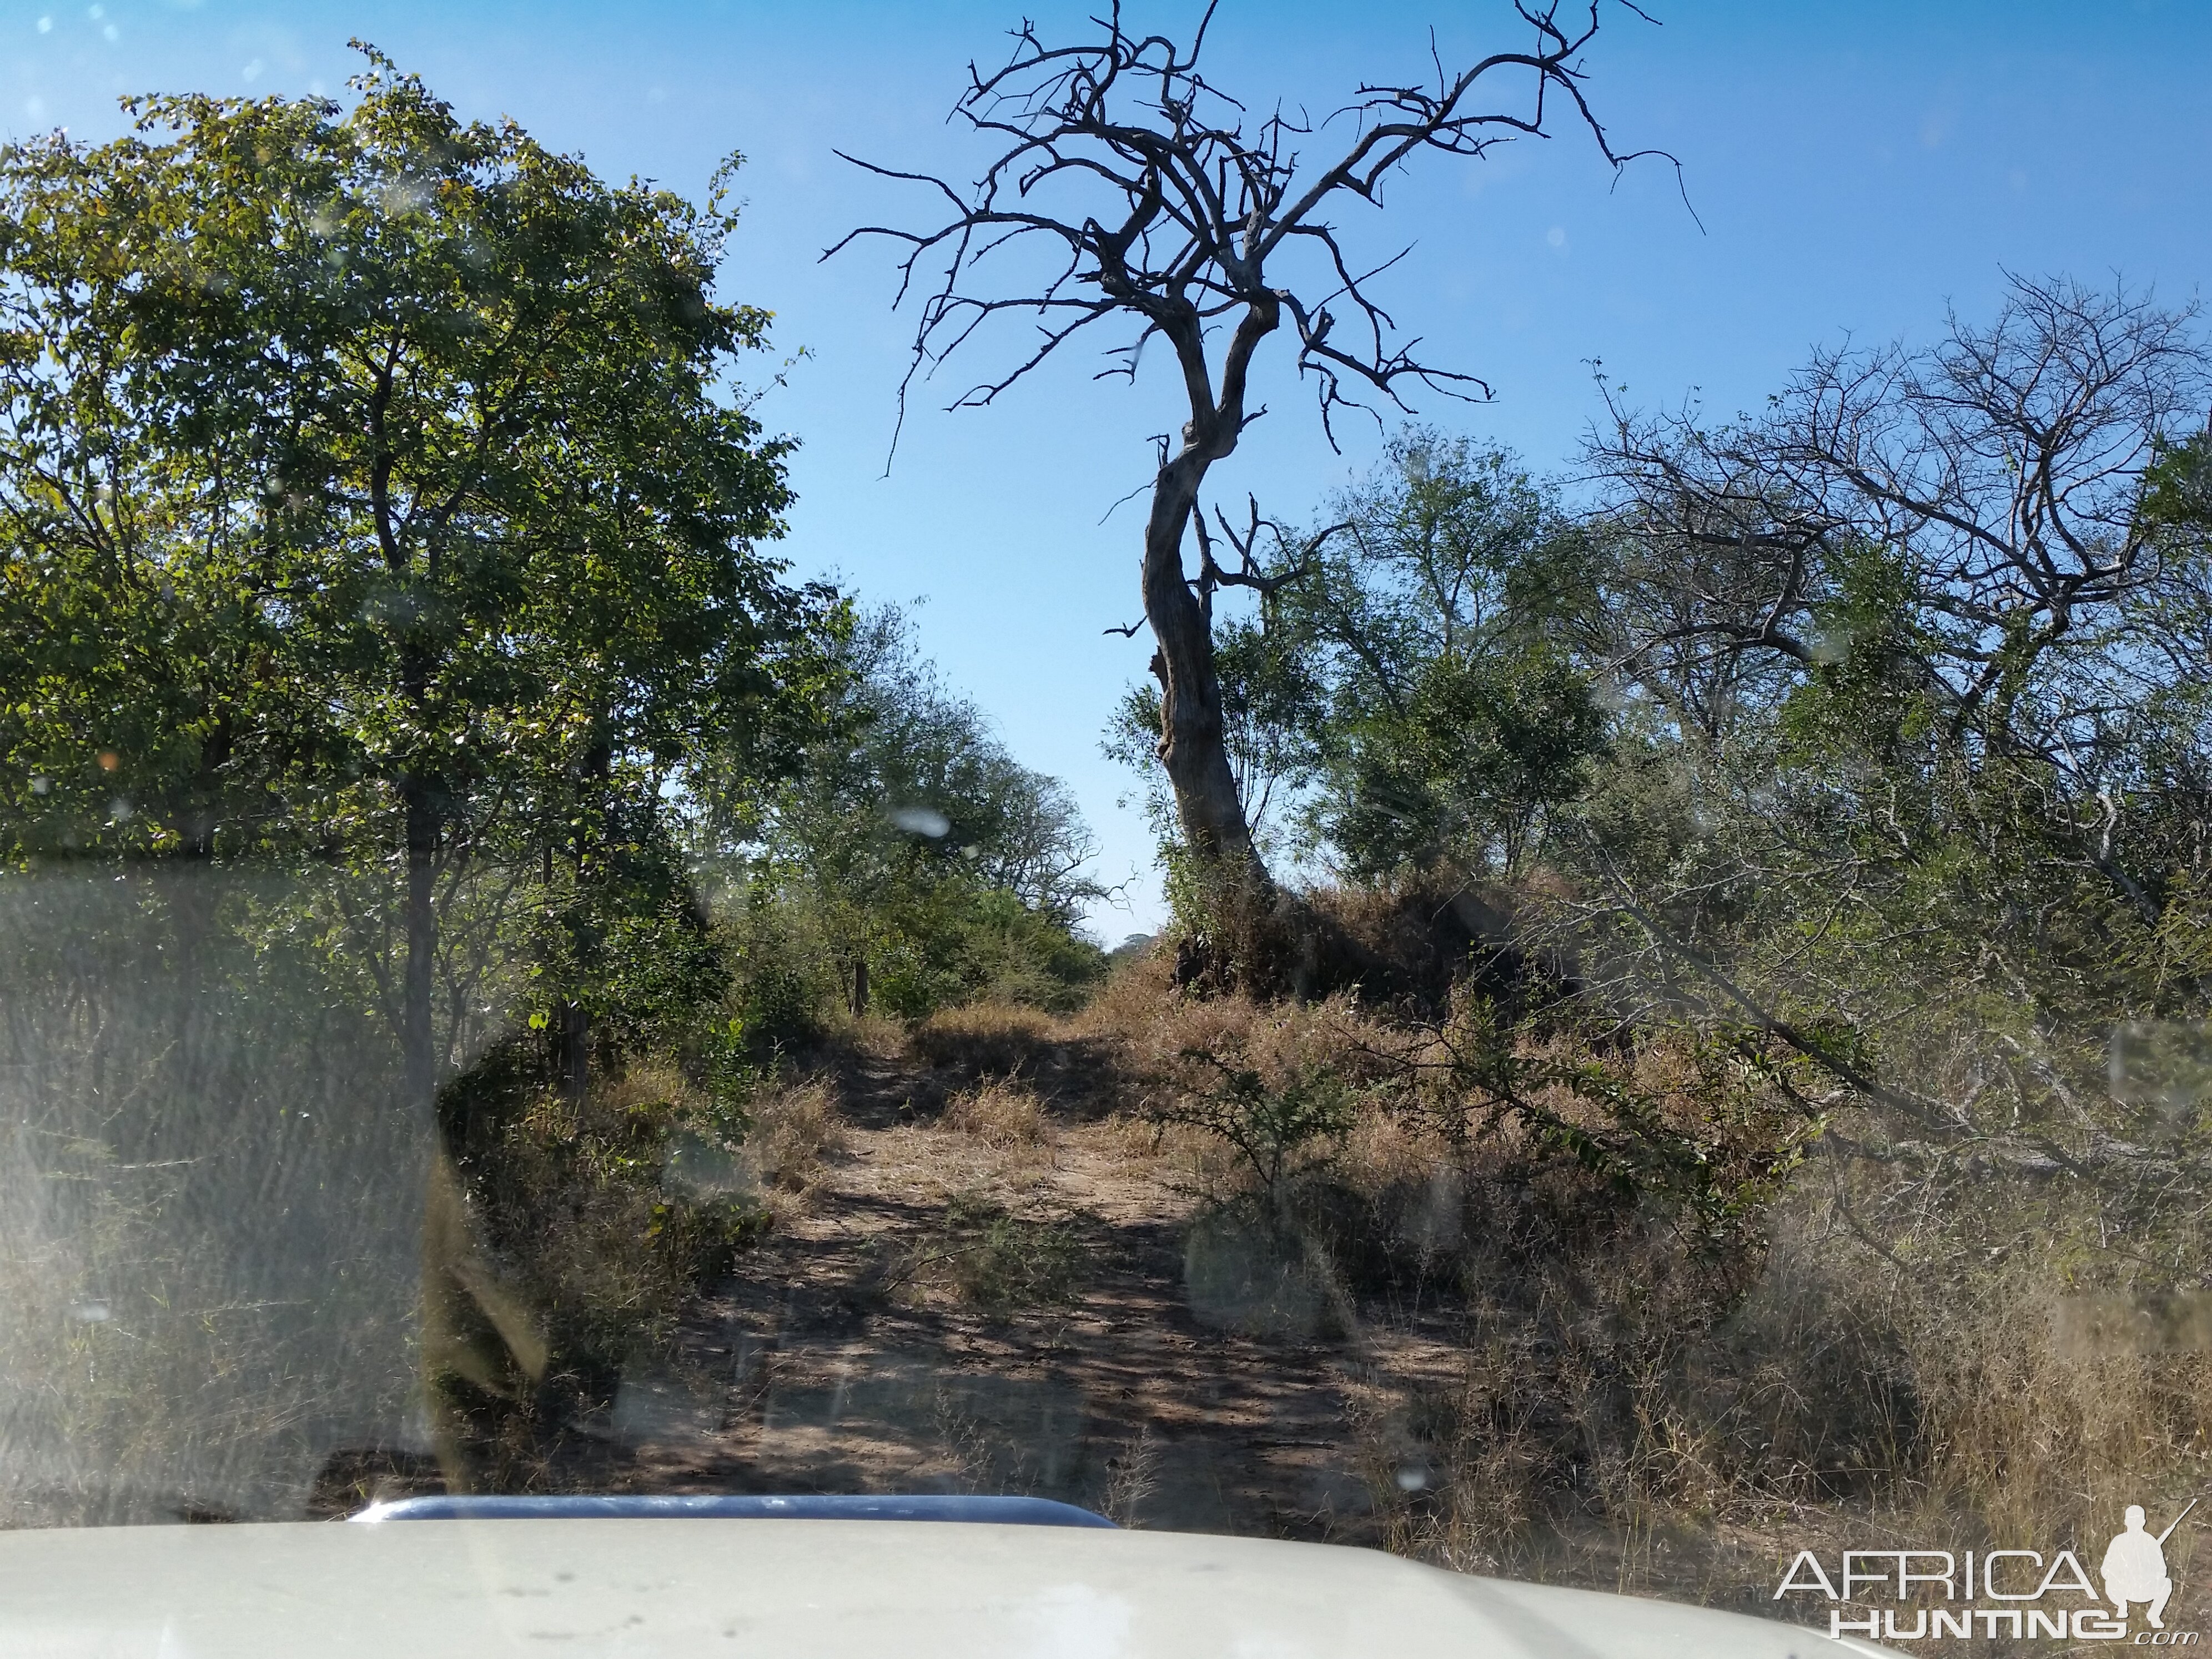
x=1187 y=1376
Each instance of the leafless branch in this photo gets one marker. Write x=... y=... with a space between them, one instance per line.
x=1262 y=577
x=1168 y=201
x=1161 y=206
x=1994 y=475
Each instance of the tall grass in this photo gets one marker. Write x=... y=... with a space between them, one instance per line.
x=1874 y=1353
x=210 y=1206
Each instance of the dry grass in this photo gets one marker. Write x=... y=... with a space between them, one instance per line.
x=1131 y=998
x=1639 y=1406
x=1132 y=1476
x=984 y=1038
x=1619 y=1418
x=1137 y=1142
x=875 y=1034
x=796 y=1131
x=1002 y=1113
x=1075 y=1066
x=575 y=1218
x=1618 y=1408
x=143 y=1381
x=1156 y=1031
x=210 y=1214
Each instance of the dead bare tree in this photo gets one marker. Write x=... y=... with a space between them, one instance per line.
x=1165 y=215
x=1997 y=472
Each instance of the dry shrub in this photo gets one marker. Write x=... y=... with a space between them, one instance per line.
x=577 y=1202
x=1134 y=1140
x=567 y=1236
x=1412 y=944
x=1188 y=1160
x=1005 y=1263
x=1016 y=1265
x=1156 y=1043
x=989 y=1257
x=1570 y=1432
x=1001 y=1113
x=1618 y=1422
x=1133 y=1475
x=2033 y=1430
x=649 y=1093
x=1203 y=1165
x=984 y=1038
x=1281 y=1042
x=875 y=1034
x=1277 y=1085
x=1386 y=1150
x=1645 y=1401
x=796 y=1130
x=1132 y=998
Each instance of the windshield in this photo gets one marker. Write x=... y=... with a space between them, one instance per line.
x=1428 y=782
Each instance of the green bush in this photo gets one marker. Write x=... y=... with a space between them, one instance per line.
x=1001 y=1262
x=1274 y=1128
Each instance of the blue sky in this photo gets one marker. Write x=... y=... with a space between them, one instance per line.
x=1855 y=168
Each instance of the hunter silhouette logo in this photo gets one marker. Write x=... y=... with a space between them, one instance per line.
x=2023 y=1594
x=2134 y=1568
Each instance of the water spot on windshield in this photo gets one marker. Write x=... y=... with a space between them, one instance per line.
x=2164 y=1066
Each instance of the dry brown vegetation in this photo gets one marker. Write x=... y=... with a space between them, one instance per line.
x=984 y=1036
x=795 y=1129
x=999 y=1112
x=1450 y=1334
x=1530 y=1366
x=1037 y=1240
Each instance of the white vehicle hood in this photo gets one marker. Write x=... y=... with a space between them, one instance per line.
x=796 y=1589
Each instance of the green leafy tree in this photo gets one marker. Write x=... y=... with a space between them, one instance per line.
x=373 y=489
x=1412 y=684
x=935 y=866
x=1458 y=710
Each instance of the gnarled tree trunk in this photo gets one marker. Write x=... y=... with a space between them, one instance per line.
x=1170 y=204
x=1193 y=746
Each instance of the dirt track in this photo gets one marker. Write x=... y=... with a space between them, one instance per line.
x=1185 y=1380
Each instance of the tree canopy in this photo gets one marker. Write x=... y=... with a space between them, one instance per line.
x=1409 y=696
x=375 y=491
x=932 y=866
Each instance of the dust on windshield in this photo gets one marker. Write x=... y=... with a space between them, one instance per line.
x=1655 y=1036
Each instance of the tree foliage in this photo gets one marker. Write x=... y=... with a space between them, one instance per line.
x=1410 y=693
x=374 y=493
x=932 y=864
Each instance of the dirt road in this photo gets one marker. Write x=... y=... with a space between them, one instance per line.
x=1166 y=1374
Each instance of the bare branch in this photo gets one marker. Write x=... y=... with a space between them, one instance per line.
x=1172 y=201
x=1175 y=213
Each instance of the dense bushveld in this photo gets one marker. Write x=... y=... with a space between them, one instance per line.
x=1659 y=1392
x=1733 y=943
